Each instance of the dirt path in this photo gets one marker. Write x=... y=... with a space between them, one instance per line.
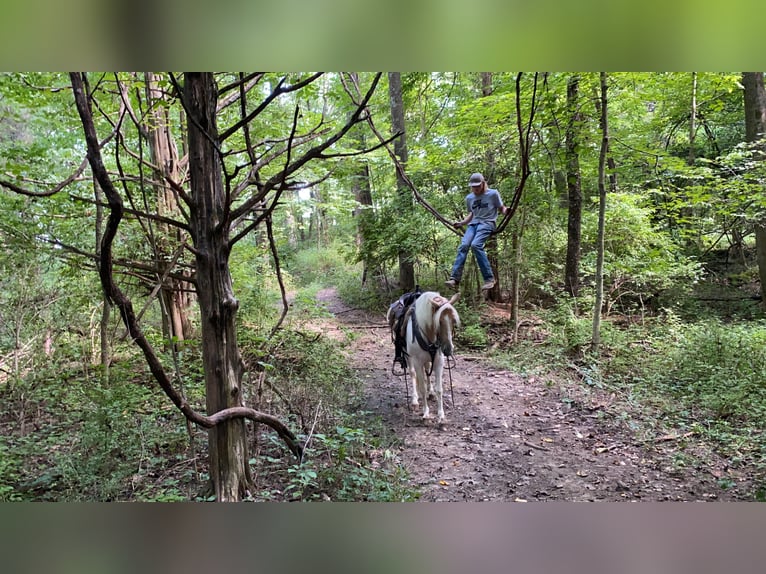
x=512 y=438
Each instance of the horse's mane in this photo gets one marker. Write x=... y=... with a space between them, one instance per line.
x=429 y=308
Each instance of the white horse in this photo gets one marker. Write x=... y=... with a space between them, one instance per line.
x=429 y=339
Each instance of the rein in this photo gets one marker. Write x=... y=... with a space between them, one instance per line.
x=432 y=349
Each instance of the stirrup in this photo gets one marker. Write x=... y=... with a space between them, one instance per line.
x=402 y=365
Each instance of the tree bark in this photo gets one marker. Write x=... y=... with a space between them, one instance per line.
x=229 y=470
x=755 y=130
x=492 y=247
x=596 y=339
x=362 y=189
x=164 y=157
x=693 y=119
x=574 y=189
x=406 y=266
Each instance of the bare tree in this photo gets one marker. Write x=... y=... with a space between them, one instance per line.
x=406 y=266
x=226 y=199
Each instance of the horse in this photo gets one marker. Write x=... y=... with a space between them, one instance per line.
x=430 y=328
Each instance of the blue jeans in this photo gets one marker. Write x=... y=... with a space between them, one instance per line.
x=475 y=236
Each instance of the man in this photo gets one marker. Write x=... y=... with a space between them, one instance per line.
x=483 y=205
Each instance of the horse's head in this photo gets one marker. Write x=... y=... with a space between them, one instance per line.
x=447 y=320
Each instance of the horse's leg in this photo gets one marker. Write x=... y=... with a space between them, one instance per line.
x=413 y=381
x=431 y=394
x=438 y=371
x=422 y=388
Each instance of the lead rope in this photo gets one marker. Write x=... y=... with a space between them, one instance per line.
x=451 y=362
x=406 y=389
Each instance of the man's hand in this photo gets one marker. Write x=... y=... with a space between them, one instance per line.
x=458 y=224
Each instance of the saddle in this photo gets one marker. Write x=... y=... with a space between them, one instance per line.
x=399 y=312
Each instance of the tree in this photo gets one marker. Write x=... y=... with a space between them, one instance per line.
x=167 y=243
x=492 y=246
x=596 y=339
x=574 y=189
x=406 y=266
x=361 y=183
x=216 y=211
x=755 y=131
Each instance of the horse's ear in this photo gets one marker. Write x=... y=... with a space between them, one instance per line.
x=437 y=301
x=454 y=298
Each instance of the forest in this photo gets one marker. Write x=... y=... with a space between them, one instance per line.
x=181 y=255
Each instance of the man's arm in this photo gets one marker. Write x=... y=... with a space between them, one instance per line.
x=465 y=221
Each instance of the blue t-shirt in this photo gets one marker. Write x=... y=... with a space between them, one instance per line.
x=485 y=206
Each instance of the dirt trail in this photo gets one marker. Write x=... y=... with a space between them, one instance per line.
x=513 y=438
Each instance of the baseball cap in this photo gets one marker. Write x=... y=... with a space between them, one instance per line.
x=476 y=179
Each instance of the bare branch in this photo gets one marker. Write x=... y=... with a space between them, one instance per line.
x=245 y=84
x=523 y=149
x=275 y=255
x=313 y=153
x=277 y=91
x=54 y=190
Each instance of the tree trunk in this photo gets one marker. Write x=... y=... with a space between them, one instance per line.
x=609 y=159
x=362 y=190
x=693 y=119
x=363 y=212
x=596 y=340
x=489 y=173
x=229 y=470
x=755 y=130
x=406 y=266
x=517 y=245
x=164 y=156
x=574 y=189
x=107 y=305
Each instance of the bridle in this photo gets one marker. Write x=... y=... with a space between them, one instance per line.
x=432 y=349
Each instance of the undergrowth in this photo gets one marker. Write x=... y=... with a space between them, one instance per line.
x=668 y=377
x=69 y=433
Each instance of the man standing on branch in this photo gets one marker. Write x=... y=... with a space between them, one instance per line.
x=483 y=205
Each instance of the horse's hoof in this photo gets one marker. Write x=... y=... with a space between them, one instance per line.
x=442 y=426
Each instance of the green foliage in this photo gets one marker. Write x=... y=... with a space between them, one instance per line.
x=720 y=368
x=705 y=378
x=344 y=464
x=396 y=228
x=640 y=260
x=318 y=265
x=472 y=334
x=9 y=472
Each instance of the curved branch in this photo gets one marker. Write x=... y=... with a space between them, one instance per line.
x=524 y=151
x=275 y=255
x=524 y=138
